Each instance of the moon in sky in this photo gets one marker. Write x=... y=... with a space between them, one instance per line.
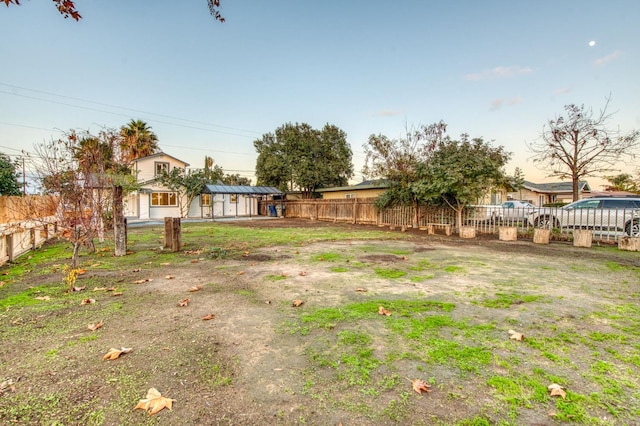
x=592 y=43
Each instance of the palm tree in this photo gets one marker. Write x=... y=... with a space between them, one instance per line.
x=137 y=141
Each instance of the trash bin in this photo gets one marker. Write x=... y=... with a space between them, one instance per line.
x=279 y=210
x=272 y=210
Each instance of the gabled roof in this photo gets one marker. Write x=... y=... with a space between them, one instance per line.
x=240 y=189
x=367 y=184
x=554 y=187
x=160 y=154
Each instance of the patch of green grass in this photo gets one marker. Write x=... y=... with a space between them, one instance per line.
x=329 y=257
x=339 y=269
x=422 y=265
x=505 y=300
x=274 y=277
x=28 y=297
x=420 y=278
x=390 y=273
x=454 y=269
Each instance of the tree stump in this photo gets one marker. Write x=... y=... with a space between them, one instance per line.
x=467 y=232
x=541 y=236
x=582 y=238
x=629 y=243
x=172 y=233
x=507 y=233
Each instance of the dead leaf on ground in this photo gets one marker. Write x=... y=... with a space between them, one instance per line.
x=557 y=390
x=146 y=280
x=79 y=288
x=169 y=277
x=361 y=290
x=194 y=261
x=208 y=317
x=7 y=386
x=137 y=270
x=419 y=386
x=165 y=264
x=114 y=353
x=514 y=335
x=43 y=298
x=383 y=311
x=154 y=402
x=94 y=327
x=404 y=257
x=99 y=289
x=297 y=302
x=245 y=254
x=240 y=272
x=117 y=293
x=87 y=301
x=184 y=303
x=283 y=275
x=195 y=288
x=303 y=273
x=81 y=271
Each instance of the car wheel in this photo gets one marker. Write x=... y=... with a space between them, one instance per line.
x=633 y=228
x=546 y=222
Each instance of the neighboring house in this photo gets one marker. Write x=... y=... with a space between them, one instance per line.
x=366 y=189
x=154 y=201
x=540 y=194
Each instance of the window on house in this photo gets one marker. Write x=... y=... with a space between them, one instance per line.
x=205 y=199
x=234 y=198
x=350 y=196
x=161 y=168
x=161 y=199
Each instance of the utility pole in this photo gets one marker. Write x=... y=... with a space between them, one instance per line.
x=24 y=179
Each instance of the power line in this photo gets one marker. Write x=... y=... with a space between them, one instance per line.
x=126 y=108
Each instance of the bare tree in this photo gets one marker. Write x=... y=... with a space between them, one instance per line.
x=582 y=144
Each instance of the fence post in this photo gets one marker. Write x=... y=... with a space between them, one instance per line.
x=172 y=233
x=10 y=248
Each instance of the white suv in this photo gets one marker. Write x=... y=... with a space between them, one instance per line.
x=617 y=215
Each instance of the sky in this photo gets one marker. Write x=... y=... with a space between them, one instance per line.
x=497 y=69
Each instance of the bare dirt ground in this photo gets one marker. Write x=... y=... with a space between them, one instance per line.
x=251 y=364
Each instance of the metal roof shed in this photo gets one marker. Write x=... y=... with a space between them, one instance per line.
x=248 y=191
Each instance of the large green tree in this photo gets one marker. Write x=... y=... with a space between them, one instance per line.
x=581 y=143
x=397 y=161
x=297 y=157
x=138 y=140
x=9 y=176
x=458 y=172
x=621 y=182
x=187 y=183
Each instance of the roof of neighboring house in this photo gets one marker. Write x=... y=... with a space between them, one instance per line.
x=367 y=184
x=240 y=189
x=161 y=154
x=552 y=187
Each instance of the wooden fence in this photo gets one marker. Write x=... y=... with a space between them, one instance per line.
x=25 y=224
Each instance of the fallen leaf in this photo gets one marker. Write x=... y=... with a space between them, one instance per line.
x=420 y=386
x=297 y=303
x=113 y=288
x=115 y=353
x=169 y=277
x=142 y=281
x=404 y=257
x=240 y=272
x=2 y=283
x=81 y=271
x=184 y=303
x=268 y=302
x=283 y=275
x=303 y=273
x=245 y=254
x=7 y=386
x=99 y=289
x=165 y=264
x=43 y=298
x=194 y=261
x=79 y=288
x=383 y=311
x=87 y=301
x=94 y=327
x=362 y=290
x=137 y=270
x=154 y=402
x=515 y=335
x=208 y=317
x=195 y=288
x=556 y=390
x=117 y=293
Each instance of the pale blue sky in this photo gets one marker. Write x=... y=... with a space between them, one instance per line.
x=496 y=69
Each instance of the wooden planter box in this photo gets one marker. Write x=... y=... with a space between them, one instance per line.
x=582 y=238
x=541 y=236
x=467 y=232
x=629 y=243
x=508 y=233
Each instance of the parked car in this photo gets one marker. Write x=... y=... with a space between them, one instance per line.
x=617 y=215
x=512 y=211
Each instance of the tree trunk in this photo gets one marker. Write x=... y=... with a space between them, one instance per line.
x=119 y=226
x=576 y=183
x=416 y=214
x=76 y=254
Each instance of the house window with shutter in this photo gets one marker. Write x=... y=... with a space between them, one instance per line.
x=161 y=167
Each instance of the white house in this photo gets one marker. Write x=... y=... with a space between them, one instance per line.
x=154 y=201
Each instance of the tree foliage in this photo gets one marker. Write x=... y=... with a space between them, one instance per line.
x=621 y=182
x=580 y=144
x=67 y=8
x=458 y=173
x=298 y=157
x=187 y=183
x=138 y=140
x=397 y=161
x=9 y=176
x=517 y=181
